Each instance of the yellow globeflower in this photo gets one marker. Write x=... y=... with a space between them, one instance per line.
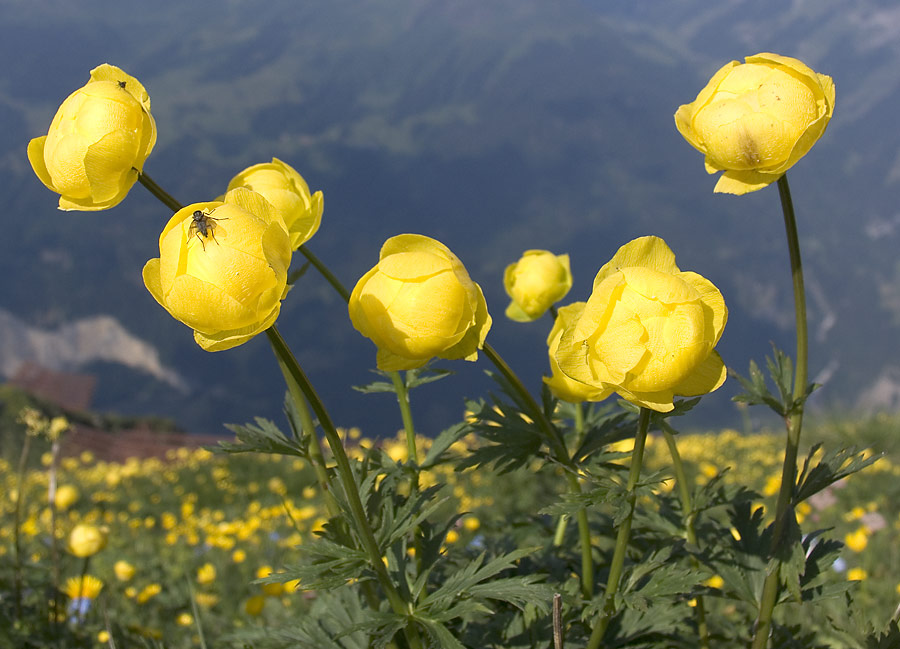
x=418 y=302
x=206 y=574
x=124 y=571
x=648 y=330
x=78 y=588
x=66 y=496
x=857 y=574
x=857 y=540
x=87 y=540
x=535 y=282
x=284 y=188
x=561 y=385
x=272 y=590
x=755 y=120
x=97 y=142
x=222 y=268
x=149 y=591
x=254 y=605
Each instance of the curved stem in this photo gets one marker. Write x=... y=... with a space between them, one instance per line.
x=563 y=522
x=561 y=455
x=315 y=448
x=345 y=473
x=159 y=192
x=623 y=535
x=406 y=413
x=327 y=274
x=794 y=421
x=690 y=532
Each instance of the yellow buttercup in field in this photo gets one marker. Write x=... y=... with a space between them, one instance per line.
x=535 y=282
x=86 y=540
x=97 y=142
x=222 y=268
x=419 y=302
x=286 y=189
x=755 y=120
x=648 y=330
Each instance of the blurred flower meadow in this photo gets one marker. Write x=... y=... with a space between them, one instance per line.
x=578 y=516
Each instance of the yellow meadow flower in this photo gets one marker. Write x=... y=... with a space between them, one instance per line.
x=97 y=142
x=66 y=496
x=534 y=283
x=418 y=302
x=755 y=120
x=857 y=574
x=284 y=188
x=123 y=570
x=272 y=590
x=88 y=588
x=858 y=539
x=648 y=330
x=150 y=591
x=222 y=268
x=254 y=605
x=87 y=540
x=206 y=574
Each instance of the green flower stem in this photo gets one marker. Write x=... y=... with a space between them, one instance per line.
x=405 y=412
x=306 y=421
x=561 y=454
x=399 y=385
x=623 y=535
x=794 y=421
x=159 y=192
x=327 y=274
x=690 y=532
x=366 y=535
x=563 y=522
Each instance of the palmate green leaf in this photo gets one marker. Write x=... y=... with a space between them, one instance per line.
x=515 y=441
x=889 y=639
x=756 y=392
x=439 y=635
x=781 y=370
x=818 y=581
x=375 y=386
x=325 y=565
x=834 y=466
x=336 y=620
x=472 y=582
x=442 y=442
x=412 y=379
x=657 y=578
x=601 y=430
x=261 y=437
x=423 y=375
x=398 y=521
